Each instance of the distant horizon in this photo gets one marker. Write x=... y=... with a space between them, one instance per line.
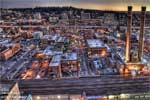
x=71 y=7
x=111 y=5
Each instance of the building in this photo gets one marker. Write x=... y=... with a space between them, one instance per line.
x=10 y=50
x=109 y=19
x=37 y=34
x=98 y=35
x=6 y=54
x=64 y=16
x=37 y=16
x=55 y=66
x=85 y=16
x=70 y=63
x=49 y=39
x=51 y=51
x=105 y=65
x=9 y=91
x=88 y=34
x=62 y=42
x=27 y=34
x=64 y=63
x=53 y=19
x=5 y=41
x=32 y=72
x=28 y=97
x=96 y=48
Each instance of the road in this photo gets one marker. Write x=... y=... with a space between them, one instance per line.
x=18 y=65
x=69 y=26
x=105 y=85
x=84 y=66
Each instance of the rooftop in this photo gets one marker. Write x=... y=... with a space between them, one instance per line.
x=5 y=88
x=95 y=43
x=10 y=44
x=48 y=51
x=63 y=39
x=98 y=35
x=69 y=56
x=56 y=60
x=97 y=64
x=3 y=48
x=37 y=32
x=5 y=41
x=50 y=37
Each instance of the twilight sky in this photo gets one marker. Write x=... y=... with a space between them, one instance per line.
x=88 y=4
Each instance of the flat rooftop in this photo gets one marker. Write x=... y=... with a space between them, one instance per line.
x=37 y=32
x=5 y=41
x=50 y=37
x=48 y=51
x=69 y=56
x=10 y=44
x=95 y=43
x=56 y=60
x=63 y=39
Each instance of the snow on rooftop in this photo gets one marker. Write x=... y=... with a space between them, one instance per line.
x=38 y=32
x=62 y=39
x=5 y=41
x=94 y=43
x=45 y=36
x=54 y=37
x=50 y=37
x=69 y=56
x=56 y=60
x=10 y=44
x=48 y=51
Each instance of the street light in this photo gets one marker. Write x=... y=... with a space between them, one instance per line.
x=38 y=98
x=59 y=97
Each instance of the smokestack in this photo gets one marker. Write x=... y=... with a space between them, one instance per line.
x=129 y=27
x=141 y=37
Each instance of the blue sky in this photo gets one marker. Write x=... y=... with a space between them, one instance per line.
x=90 y=4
